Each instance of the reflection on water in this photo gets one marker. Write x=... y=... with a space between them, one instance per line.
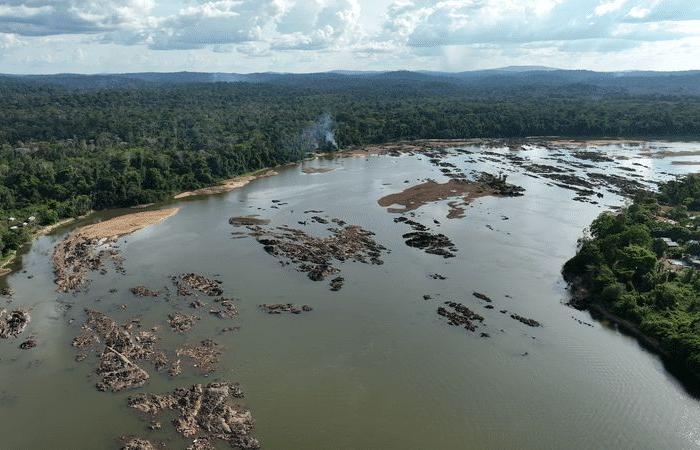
x=373 y=365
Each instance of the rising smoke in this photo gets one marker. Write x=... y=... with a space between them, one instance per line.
x=320 y=135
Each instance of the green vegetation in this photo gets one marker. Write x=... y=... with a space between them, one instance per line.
x=65 y=150
x=625 y=267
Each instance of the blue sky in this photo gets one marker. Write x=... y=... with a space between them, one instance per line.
x=98 y=36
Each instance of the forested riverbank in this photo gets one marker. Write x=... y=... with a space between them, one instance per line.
x=641 y=265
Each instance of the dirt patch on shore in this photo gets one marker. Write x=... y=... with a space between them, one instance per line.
x=225 y=186
x=126 y=224
x=86 y=249
x=204 y=412
x=311 y=170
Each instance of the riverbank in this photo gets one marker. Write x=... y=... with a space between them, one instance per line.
x=86 y=248
x=619 y=272
x=228 y=185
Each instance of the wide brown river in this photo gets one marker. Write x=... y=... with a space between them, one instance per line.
x=372 y=366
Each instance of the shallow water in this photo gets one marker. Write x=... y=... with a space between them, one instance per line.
x=373 y=365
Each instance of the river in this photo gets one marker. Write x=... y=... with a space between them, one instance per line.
x=373 y=365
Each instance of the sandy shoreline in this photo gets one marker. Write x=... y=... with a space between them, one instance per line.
x=126 y=224
x=227 y=185
x=85 y=249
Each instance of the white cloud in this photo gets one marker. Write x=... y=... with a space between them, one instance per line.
x=279 y=34
x=46 y=17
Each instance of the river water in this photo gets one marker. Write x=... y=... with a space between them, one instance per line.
x=373 y=365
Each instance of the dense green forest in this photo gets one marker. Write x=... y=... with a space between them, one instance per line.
x=638 y=263
x=65 y=150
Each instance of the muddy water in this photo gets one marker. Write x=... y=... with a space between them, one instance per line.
x=373 y=365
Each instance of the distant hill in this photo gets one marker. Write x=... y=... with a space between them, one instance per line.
x=537 y=77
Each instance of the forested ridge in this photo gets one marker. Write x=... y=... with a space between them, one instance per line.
x=66 y=150
x=642 y=265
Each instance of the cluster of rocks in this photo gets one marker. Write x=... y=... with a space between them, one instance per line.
x=13 y=323
x=316 y=256
x=188 y=282
x=182 y=322
x=137 y=443
x=205 y=355
x=77 y=255
x=143 y=291
x=122 y=350
x=525 y=320
x=279 y=308
x=500 y=186
x=481 y=296
x=432 y=243
x=203 y=412
x=460 y=316
x=227 y=309
x=422 y=238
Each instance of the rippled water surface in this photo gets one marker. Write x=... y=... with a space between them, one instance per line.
x=373 y=365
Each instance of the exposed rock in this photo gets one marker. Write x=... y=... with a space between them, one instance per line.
x=279 y=308
x=143 y=291
x=28 y=344
x=435 y=244
x=136 y=443
x=525 y=320
x=315 y=255
x=205 y=355
x=181 y=322
x=12 y=324
x=191 y=281
x=85 y=249
x=205 y=411
x=481 y=296
x=459 y=315
x=122 y=350
x=227 y=311
x=337 y=283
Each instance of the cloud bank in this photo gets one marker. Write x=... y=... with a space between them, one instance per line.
x=293 y=32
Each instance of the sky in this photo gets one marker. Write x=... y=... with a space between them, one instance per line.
x=243 y=36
